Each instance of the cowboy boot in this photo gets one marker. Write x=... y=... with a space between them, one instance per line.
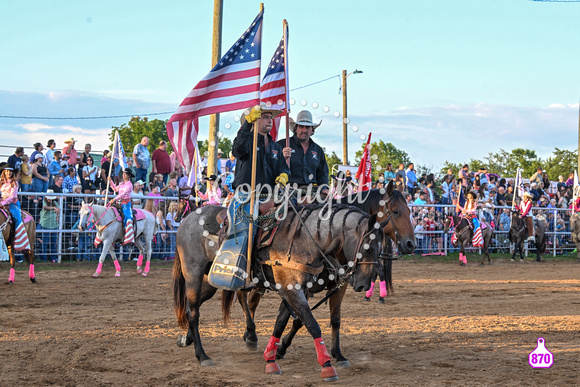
x=21 y=241
x=530 y=222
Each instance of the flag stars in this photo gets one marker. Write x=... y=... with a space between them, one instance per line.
x=247 y=51
x=241 y=57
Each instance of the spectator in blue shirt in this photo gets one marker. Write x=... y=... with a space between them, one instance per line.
x=411 y=178
x=54 y=168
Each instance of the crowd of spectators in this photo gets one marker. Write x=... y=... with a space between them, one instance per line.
x=49 y=170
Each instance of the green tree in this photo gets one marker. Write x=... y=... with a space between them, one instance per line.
x=332 y=160
x=225 y=145
x=449 y=165
x=383 y=153
x=132 y=132
x=562 y=163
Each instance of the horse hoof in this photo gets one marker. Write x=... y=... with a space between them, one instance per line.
x=251 y=345
x=118 y=274
x=95 y=275
x=343 y=364
x=207 y=363
x=10 y=282
x=367 y=298
x=145 y=274
x=328 y=374
x=139 y=270
x=462 y=264
x=273 y=368
x=381 y=300
x=512 y=260
x=33 y=280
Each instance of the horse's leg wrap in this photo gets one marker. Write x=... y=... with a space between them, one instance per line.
x=12 y=274
x=369 y=292
x=147 y=266
x=99 y=268
x=383 y=288
x=270 y=351
x=31 y=271
x=140 y=260
x=117 y=267
x=321 y=353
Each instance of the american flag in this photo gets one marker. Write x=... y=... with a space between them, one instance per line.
x=274 y=89
x=460 y=200
x=233 y=84
x=518 y=187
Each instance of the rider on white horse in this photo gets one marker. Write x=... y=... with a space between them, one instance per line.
x=124 y=195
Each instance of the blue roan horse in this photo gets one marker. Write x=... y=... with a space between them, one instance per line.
x=345 y=243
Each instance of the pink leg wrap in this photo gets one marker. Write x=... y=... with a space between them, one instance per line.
x=270 y=351
x=140 y=260
x=369 y=292
x=465 y=259
x=11 y=276
x=383 y=292
x=147 y=266
x=99 y=268
x=117 y=265
x=321 y=352
x=31 y=271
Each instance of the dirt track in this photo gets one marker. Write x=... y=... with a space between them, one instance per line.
x=445 y=325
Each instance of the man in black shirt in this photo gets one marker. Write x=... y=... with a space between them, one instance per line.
x=271 y=167
x=307 y=159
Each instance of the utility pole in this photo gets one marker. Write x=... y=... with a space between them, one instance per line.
x=578 y=138
x=214 y=119
x=344 y=122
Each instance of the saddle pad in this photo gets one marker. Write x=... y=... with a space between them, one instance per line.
x=265 y=238
x=26 y=217
x=139 y=214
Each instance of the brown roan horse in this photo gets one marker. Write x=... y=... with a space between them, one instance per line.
x=7 y=226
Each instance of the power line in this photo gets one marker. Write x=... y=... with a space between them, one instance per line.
x=133 y=115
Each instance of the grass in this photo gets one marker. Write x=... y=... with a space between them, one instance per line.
x=472 y=256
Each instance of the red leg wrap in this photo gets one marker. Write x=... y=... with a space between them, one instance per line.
x=321 y=352
x=270 y=351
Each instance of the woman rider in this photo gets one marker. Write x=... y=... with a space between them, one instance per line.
x=124 y=190
x=525 y=210
x=9 y=189
x=469 y=211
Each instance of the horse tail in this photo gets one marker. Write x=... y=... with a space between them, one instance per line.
x=227 y=301
x=179 y=293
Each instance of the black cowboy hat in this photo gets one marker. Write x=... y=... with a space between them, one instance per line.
x=212 y=178
x=129 y=172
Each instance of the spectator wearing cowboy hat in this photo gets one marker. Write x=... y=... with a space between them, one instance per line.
x=124 y=190
x=270 y=164
x=70 y=153
x=307 y=159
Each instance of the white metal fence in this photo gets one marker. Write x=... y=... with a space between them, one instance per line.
x=557 y=222
x=69 y=243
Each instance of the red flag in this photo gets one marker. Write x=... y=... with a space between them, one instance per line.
x=363 y=175
x=234 y=83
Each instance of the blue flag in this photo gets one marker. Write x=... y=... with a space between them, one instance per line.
x=461 y=200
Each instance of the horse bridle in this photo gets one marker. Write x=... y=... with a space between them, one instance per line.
x=452 y=224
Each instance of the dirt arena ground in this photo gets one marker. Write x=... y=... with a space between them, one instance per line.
x=445 y=325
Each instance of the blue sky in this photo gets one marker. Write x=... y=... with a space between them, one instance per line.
x=442 y=80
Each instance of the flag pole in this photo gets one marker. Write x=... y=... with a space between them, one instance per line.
x=285 y=34
x=252 y=193
x=115 y=141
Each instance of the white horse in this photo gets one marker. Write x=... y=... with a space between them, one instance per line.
x=109 y=230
